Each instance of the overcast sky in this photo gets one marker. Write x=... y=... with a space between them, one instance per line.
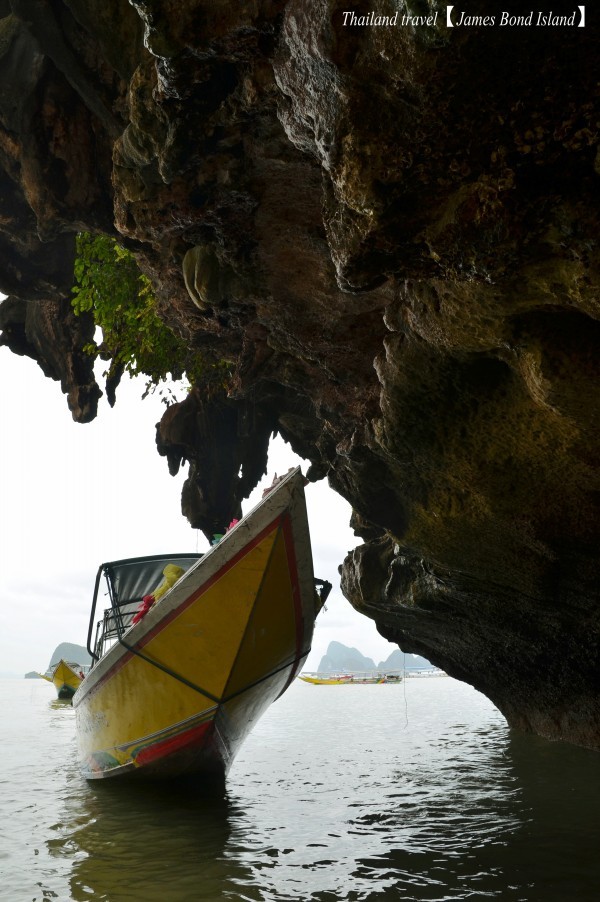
x=73 y=496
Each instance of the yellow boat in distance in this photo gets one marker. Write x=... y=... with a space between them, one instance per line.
x=178 y=691
x=351 y=679
x=66 y=676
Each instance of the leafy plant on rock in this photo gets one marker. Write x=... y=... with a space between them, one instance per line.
x=109 y=283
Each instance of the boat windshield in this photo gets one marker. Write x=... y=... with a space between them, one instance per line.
x=127 y=582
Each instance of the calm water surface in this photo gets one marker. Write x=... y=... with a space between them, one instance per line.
x=410 y=792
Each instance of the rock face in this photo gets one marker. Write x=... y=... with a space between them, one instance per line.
x=399 y=660
x=70 y=652
x=340 y=657
x=390 y=233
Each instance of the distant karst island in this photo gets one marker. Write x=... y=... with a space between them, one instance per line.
x=67 y=651
x=340 y=657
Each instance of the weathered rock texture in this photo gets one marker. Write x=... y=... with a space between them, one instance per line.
x=391 y=234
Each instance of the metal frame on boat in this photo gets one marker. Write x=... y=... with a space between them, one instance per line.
x=178 y=691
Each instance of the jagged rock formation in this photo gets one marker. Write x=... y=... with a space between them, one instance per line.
x=391 y=234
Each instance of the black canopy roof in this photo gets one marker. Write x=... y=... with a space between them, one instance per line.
x=132 y=578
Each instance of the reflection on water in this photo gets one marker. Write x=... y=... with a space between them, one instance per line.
x=144 y=842
x=558 y=854
x=58 y=703
x=412 y=792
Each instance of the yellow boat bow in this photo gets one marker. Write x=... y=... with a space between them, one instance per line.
x=178 y=691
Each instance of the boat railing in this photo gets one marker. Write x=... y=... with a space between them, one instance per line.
x=113 y=624
x=78 y=668
x=322 y=588
x=127 y=582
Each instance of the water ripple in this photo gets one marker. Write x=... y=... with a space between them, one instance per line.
x=392 y=793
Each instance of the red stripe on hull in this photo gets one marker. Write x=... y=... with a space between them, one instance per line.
x=288 y=537
x=197 y=739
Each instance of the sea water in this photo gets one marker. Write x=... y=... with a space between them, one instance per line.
x=415 y=791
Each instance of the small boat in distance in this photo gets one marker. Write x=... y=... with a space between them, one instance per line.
x=66 y=676
x=178 y=681
x=351 y=679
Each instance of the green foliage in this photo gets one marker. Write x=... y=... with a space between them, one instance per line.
x=109 y=283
